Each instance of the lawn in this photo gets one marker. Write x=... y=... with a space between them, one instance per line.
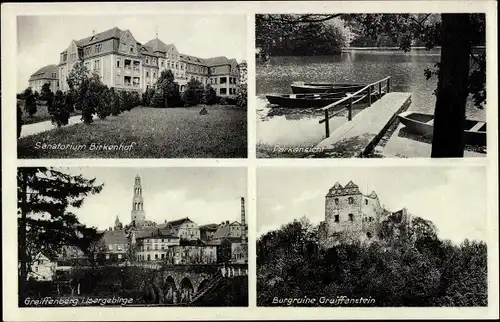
x=147 y=133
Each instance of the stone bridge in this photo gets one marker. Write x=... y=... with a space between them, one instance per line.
x=181 y=284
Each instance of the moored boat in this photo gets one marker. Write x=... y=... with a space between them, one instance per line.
x=318 y=88
x=307 y=100
x=423 y=124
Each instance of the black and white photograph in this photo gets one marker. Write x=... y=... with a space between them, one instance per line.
x=132 y=237
x=371 y=85
x=372 y=237
x=122 y=86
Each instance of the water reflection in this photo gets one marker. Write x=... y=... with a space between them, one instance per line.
x=406 y=69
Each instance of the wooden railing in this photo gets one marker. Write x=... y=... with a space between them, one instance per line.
x=351 y=97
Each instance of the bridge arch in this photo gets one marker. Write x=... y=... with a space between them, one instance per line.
x=170 y=290
x=186 y=290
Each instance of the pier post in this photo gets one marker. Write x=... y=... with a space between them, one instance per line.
x=349 y=112
x=388 y=85
x=327 y=124
x=380 y=89
x=370 y=96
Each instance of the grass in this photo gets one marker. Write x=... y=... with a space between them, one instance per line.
x=154 y=133
x=42 y=114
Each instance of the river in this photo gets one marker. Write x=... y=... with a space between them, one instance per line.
x=356 y=66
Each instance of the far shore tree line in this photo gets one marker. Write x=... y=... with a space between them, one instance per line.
x=89 y=96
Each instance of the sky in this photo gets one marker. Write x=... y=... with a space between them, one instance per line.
x=40 y=39
x=454 y=199
x=205 y=195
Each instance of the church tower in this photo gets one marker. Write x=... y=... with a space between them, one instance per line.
x=138 y=215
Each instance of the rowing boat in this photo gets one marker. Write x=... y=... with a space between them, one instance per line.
x=308 y=100
x=423 y=124
x=317 y=88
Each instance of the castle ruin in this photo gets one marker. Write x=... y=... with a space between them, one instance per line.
x=352 y=216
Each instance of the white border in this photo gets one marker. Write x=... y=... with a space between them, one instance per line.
x=9 y=162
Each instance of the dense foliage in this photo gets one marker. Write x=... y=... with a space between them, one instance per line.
x=45 y=221
x=412 y=269
x=282 y=35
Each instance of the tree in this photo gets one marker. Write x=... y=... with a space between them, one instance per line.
x=291 y=34
x=115 y=102
x=30 y=102
x=37 y=95
x=45 y=198
x=147 y=96
x=69 y=101
x=169 y=87
x=59 y=113
x=193 y=93
x=90 y=98
x=104 y=106
x=158 y=99
x=242 y=95
x=78 y=74
x=46 y=93
x=456 y=34
x=209 y=95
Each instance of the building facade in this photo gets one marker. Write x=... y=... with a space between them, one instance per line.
x=47 y=74
x=124 y=63
x=351 y=216
x=42 y=269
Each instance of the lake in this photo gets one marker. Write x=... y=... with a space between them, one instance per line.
x=354 y=66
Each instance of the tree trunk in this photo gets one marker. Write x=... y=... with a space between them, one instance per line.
x=452 y=90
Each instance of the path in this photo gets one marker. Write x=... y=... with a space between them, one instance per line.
x=39 y=127
x=362 y=133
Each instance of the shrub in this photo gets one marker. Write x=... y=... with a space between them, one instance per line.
x=242 y=95
x=209 y=95
x=46 y=93
x=115 y=102
x=30 y=102
x=103 y=107
x=158 y=99
x=69 y=101
x=222 y=101
x=147 y=96
x=193 y=93
x=59 y=113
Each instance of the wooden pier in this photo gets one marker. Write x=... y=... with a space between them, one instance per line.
x=361 y=133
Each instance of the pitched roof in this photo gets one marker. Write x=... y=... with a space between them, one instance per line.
x=114 y=237
x=337 y=186
x=217 y=61
x=193 y=59
x=158 y=45
x=107 y=34
x=45 y=72
x=187 y=242
x=209 y=227
x=351 y=185
x=372 y=195
x=179 y=222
